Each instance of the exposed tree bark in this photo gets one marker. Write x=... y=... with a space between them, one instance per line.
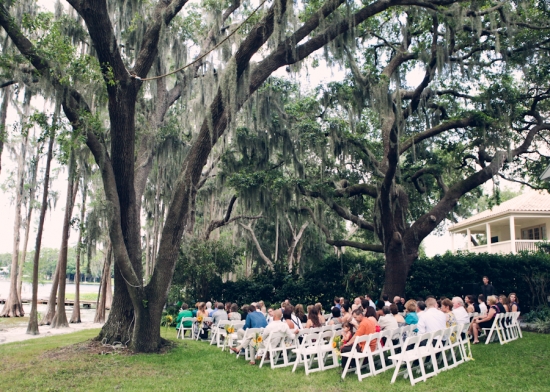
x=75 y=317
x=52 y=300
x=266 y=259
x=13 y=306
x=105 y=277
x=32 y=328
x=6 y=96
x=295 y=239
x=30 y=208
x=60 y=318
x=216 y=224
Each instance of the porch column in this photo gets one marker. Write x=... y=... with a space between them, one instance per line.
x=488 y=234
x=452 y=242
x=512 y=235
x=469 y=239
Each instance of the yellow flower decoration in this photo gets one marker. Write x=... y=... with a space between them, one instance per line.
x=199 y=319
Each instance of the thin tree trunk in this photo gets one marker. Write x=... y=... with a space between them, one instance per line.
x=108 y=290
x=276 y=239
x=13 y=306
x=60 y=318
x=3 y=114
x=105 y=276
x=52 y=301
x=30 y=208
x=32 y=328
x=75 y=317
x=147 y=254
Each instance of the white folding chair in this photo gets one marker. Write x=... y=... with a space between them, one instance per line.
x=182 y=329
x=429 y=351
x=463 y=342
x=446 y=347
x=496 y=329
x=326 y=351
x=232 y=338
x=412 y=351
x=515 y=327
x=218 y=331
x=197 y=330
x=306 y=352
x=355 y=356
x=275 y=346
x=249 y=334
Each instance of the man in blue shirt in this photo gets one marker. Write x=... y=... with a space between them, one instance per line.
x=253 y=320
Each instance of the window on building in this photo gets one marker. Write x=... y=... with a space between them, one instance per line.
x=534 y=233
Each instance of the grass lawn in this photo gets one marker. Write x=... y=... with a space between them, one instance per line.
x=51 y=364
x=83 y=296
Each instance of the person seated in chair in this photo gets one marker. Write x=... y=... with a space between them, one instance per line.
x=184 y=312
x=387 y=321
x=480 y=322
x=219 y=314
x=432 y=319
x=366 y=327
x=459 y=311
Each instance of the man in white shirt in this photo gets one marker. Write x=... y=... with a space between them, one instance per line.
x=461 y=315
x=482 y=307
x=370 y=301
x=387 y=321
x=431 y=319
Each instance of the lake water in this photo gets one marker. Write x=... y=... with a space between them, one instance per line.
x=44 y=289
x=86 y=315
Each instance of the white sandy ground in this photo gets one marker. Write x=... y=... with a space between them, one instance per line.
x=18 y=332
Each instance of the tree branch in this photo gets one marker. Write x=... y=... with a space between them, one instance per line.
x=338 y=209
x=258 y=247
x=340 y=243
x=458 y=123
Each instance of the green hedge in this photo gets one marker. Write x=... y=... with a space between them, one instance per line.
x=527 y=274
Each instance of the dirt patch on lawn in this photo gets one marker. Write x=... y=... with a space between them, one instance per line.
x=89 y=347
x=94 y=347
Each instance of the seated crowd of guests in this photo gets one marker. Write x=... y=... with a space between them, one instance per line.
x=361 y=317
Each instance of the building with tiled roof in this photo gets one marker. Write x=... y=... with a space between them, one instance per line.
x=515 y=225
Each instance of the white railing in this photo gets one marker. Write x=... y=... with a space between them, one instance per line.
x=501 y=247
x=479 y=249
x=506 y=247
x=530 y=245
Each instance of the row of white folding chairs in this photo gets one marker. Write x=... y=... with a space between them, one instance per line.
x=388 y=342
x=329 y=332
x=439 y=351
x=316 y=347
x=505 y=326
x=218 y=332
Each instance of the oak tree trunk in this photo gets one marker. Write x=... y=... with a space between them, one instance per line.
x=32 y=328
x=105 y=277
x=75 y=317
x=13 y=306
x=60 y=318
x=30 y=208
x=3 y=114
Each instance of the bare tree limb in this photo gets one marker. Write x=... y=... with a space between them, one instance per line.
x=258 y=247
x=338 y=209
x=340 y=243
